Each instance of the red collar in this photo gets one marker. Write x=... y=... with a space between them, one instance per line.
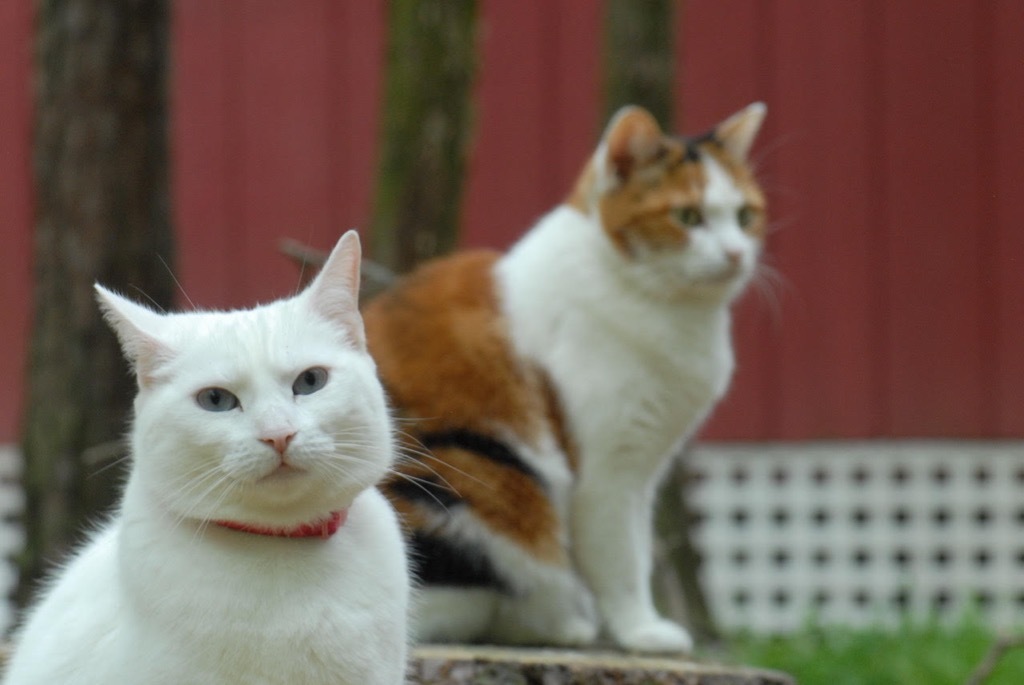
x=323 y=529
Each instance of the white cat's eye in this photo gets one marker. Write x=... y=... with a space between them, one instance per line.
x=216 y=399
x=745 y=216
x=689 y=216
x=310 y=380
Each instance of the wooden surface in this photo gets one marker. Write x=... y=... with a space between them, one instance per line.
x=457 y=665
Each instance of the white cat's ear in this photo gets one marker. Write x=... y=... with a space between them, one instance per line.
x=334 y=293
x=633 y=138
x=737 y=133
x=137 y=329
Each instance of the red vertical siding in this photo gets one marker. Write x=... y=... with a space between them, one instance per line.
x=931 y=150
x=537 y=113
x=725 y=65
x=1001 y=190
x=15 y=208
x=284 y=151
x=820 y=88
x=887 y=161
x=890 y=154
x=201 y=163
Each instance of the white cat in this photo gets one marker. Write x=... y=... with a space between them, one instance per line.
x=251 y=546
x=553 y=384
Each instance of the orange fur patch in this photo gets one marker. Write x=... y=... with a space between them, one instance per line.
x=639 y=210
x=558 y=423
x=507 y=501
x=443 y=353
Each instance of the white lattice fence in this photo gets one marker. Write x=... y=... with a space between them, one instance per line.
x=12 y=501
x=860 y=534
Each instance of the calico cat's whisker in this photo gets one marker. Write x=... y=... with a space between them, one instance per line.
x=769 y=149
x=777 y=225
x=767 y=282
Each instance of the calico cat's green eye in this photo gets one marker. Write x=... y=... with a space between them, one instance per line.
x=689 y=216
x=216 y=399
x=745 y=216
x=310 y=380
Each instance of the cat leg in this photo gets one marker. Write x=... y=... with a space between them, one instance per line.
x=558 y=611
x=450 y=614
x=613 y=548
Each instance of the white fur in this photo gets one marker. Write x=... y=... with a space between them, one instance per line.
x=639 y=349
x=160 y=595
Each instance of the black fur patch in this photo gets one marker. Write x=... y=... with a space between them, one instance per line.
x=483 y=445
x=441 y=562
x=427 y=490
x=693 y=144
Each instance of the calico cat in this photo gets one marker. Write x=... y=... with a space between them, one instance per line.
x=548 y=388
x=251 y=546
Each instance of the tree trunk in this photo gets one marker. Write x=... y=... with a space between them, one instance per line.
x=639 y=69
x=639 y=61
x=427 y=124
x=100 y=171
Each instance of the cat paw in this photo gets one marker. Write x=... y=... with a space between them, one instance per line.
x=659 y=635
x=576 y=632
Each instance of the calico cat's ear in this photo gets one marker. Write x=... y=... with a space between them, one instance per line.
x=632 y=139
x=334 y=293
x=737 y=133
x=136 y=328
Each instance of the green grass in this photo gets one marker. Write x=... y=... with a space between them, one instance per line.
x=913 y=655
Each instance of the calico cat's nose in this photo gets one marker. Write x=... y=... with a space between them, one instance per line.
x=279 y=442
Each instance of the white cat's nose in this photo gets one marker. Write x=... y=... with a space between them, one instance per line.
x=279 y=442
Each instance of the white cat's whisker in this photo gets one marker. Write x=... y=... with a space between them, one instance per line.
x=204 y=522
x=410 y=454
x=177 y=283
x=420 y=483
x=209 y=482
x=114 y=463
x=420 y=453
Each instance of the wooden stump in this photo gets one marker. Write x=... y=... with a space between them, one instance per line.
x=460 y=665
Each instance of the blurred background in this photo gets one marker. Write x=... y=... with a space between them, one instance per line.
x=891 y=156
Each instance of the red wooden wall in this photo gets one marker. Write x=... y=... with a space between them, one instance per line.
x=15 y=207
x=891 y=155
